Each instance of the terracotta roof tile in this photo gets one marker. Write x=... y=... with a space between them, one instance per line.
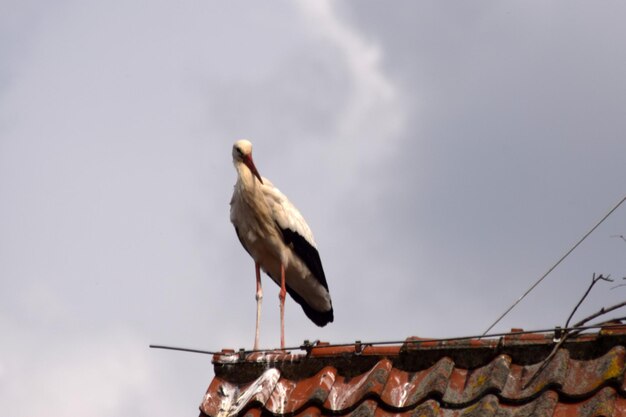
x=347 y=392
x=465 y=385
x=405 y=389
x=493 y=377
x=524 y=383
x=290 y=396
x=584 y=376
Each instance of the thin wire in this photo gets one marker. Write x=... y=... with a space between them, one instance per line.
x=554 y=266
x=206 y=352
x=394 y=342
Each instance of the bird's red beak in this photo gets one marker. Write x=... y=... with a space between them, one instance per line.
x=250 y=164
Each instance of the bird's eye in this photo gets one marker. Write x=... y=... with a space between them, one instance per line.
x=239 y=151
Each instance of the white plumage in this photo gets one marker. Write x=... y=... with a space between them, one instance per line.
x=279 y=240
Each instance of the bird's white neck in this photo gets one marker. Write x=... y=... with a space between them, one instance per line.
x=246 y=177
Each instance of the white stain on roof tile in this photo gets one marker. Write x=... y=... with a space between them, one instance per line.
x=260 y=390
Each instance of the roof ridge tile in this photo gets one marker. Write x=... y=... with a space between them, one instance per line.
x=290 y=396
x=346 y=392
x=523 y=383
x=543 y=406
x=601 y=404
x=228 y=399
x=586 y=376
x=466 y=385
x=411 y=388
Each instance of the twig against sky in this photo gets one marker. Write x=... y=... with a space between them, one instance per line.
x=599 y=313
x=620 y=285
x=621 y=237
x=579 y=327
x=532 y=287
x=594 y=281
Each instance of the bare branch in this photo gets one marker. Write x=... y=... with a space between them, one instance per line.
x=620 y=236
x=547 y=360
x=599 y=313
x=611 y=321
x=567 y=333
x=575 y=330
x=594 y=281
x=620 y=285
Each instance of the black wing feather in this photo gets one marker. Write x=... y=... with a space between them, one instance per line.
x=311 y=258
x=307 y=252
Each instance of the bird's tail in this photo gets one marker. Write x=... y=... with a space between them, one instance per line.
x=321 y=318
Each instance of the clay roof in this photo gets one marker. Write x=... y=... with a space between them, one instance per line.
x=470 y=377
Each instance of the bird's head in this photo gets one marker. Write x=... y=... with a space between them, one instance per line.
x=242 y=153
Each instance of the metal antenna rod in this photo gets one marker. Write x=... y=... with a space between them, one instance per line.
x=206 y=352
x=554 y=266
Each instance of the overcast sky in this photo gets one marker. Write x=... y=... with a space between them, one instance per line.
x=444 y=154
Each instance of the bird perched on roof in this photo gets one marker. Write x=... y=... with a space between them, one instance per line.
x=277 y=237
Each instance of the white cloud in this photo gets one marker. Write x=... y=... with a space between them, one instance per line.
x=373 y=115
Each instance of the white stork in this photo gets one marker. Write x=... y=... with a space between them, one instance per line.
x=275 y=234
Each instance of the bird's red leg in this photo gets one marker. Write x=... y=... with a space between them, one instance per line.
x=281 y=295
x=259 y=297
